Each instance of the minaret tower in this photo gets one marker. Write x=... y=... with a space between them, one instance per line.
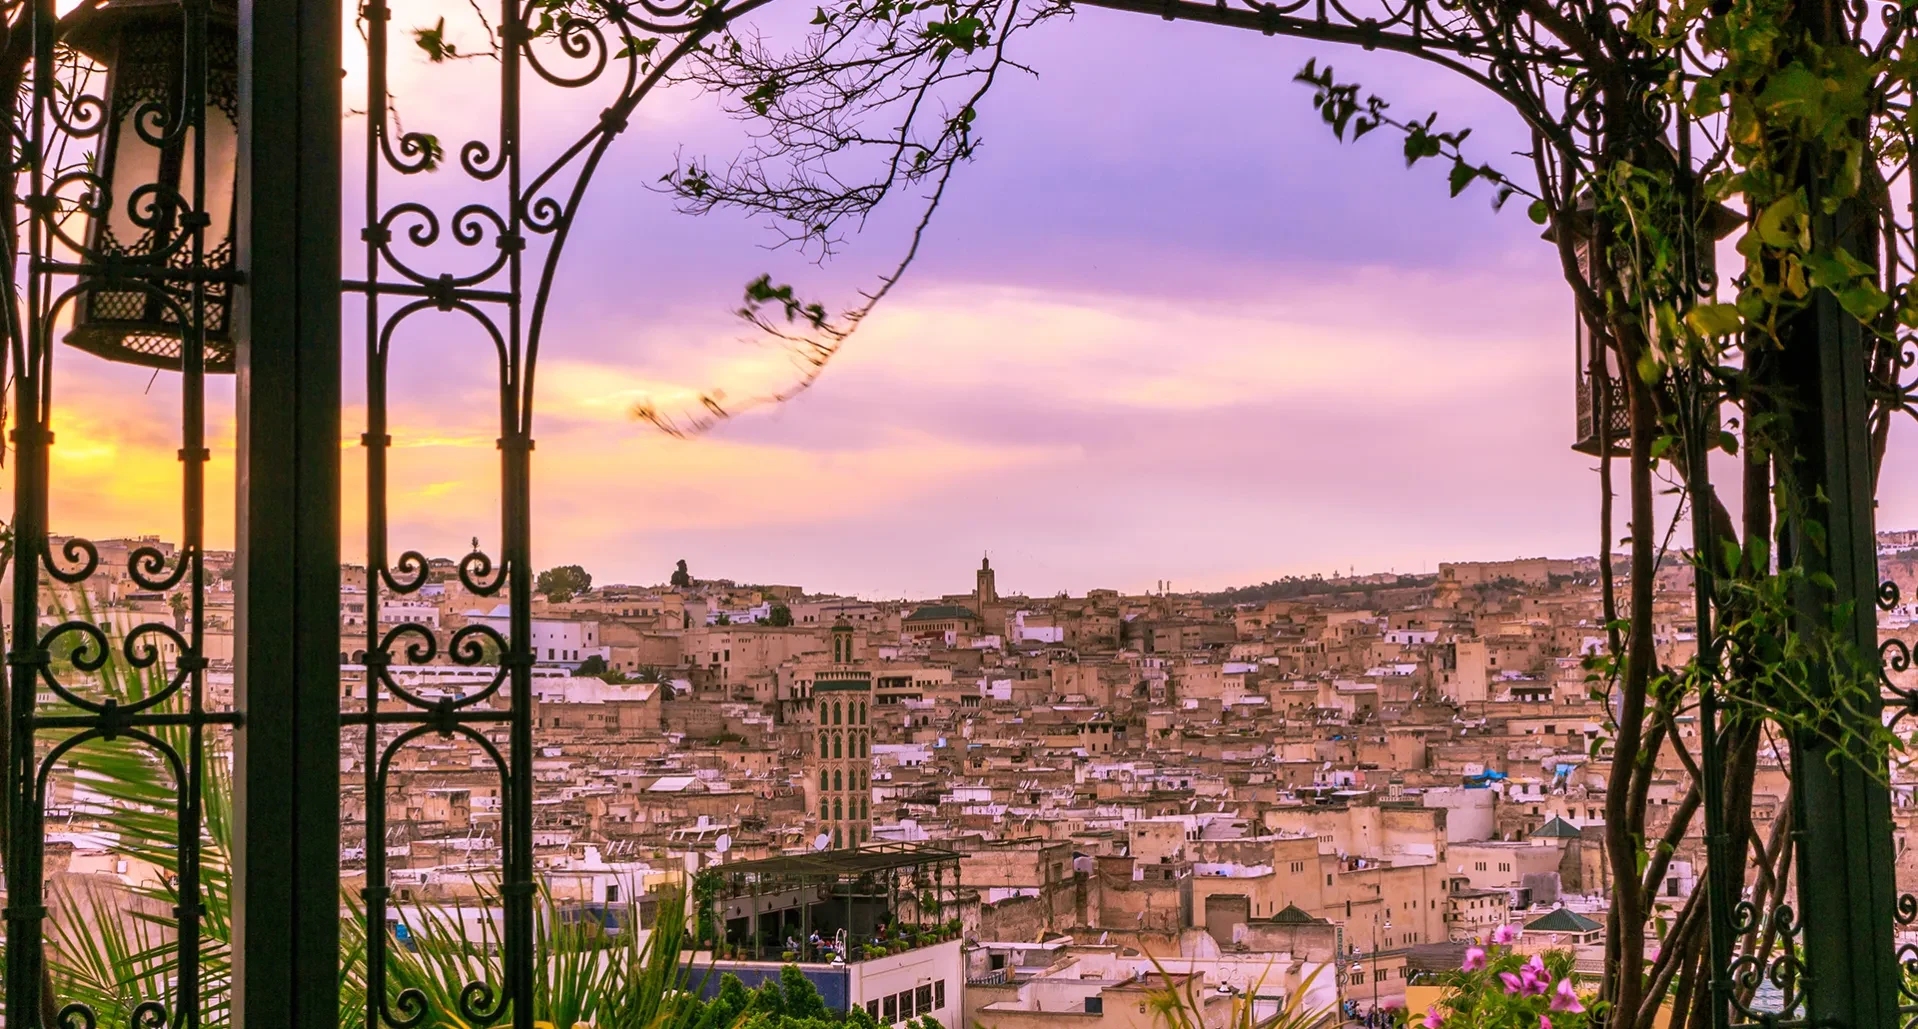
x=839 y=758
x=841 y=641
x=986 y=591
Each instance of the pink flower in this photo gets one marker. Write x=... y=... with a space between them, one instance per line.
x=1512 y=983
x=1504 y=934
x=1565 y=999
x=1474 y=959
x=1544 y=1022
x=1535 y=980
x=1432 y=1018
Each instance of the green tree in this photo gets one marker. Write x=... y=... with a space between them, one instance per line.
x=781 y=616
x=563 y=583
x=802 y=999
x=593 y=665
x=728 y=1005
x=768 y=999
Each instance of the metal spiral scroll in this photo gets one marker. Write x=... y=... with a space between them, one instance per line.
x=1907 y=922
x=58 y=646
x=1895 y=659
x=1778 y=967
x=461 y=267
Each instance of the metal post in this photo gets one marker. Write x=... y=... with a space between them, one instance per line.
x=286 y=758
x=1720 y=869
x=1846 y=885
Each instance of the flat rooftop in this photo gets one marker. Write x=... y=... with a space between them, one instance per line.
x=850 y=863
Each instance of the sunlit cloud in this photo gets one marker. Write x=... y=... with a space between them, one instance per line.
x=1203 y=341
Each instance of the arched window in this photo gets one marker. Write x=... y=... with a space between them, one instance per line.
x=836 y=782
x=822 y=779
x=837 y=747
x=862 y=745
x=839 y=837
x=838 y=811
x=822 y=744
x=823 y=811
x=862 y=712
x=835 y=713
x=863 y=812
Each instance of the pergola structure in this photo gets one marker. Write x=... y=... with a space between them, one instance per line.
x=857 y=893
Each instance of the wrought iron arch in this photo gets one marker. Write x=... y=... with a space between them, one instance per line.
x=490 y=268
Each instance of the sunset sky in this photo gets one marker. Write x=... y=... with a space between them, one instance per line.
x=1165 y=328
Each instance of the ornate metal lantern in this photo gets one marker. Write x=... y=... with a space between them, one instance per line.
x=1595 y=369
x=147 y=209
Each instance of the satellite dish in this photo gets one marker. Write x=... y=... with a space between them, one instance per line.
x=821 y=841
x=692 y=861
x=723 y=844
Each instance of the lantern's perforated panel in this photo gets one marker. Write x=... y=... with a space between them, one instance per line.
x=140 y=324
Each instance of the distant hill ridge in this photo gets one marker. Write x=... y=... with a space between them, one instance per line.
x=1295 y=588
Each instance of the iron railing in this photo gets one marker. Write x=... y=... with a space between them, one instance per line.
x=179 y=270
x=482 y=273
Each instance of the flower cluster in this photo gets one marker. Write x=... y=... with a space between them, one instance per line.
x=1495 y=988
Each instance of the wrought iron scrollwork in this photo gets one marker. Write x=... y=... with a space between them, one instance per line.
x=1768 y=982
x=82 y=678
x=485 y=269
x=1894 y=661
x=1907 y=924
x=1901 y=701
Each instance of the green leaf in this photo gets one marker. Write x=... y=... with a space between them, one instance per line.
x=1776 y=226
x=1462 y=176
x=1733 y=555
x=1792 y=91
x=433 y=41
x=1715 y=319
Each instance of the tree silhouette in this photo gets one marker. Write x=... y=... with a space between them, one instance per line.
x=564 y=582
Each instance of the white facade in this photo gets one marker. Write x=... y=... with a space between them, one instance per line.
x=556 y=641
x=920 y=982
